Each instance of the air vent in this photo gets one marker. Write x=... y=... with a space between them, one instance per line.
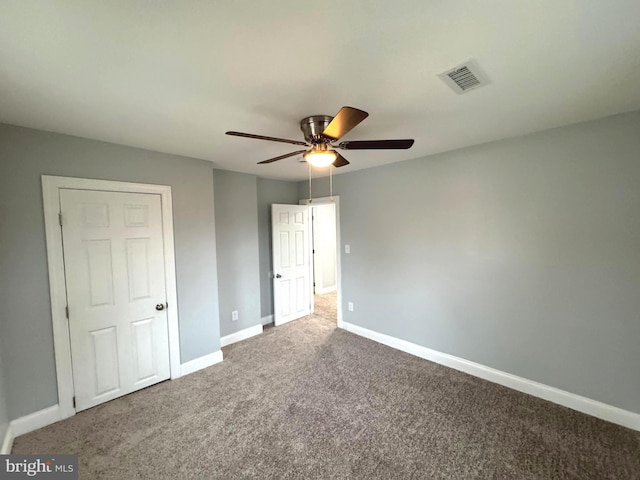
x=465 y=77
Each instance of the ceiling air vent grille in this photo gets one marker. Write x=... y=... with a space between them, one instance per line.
x=464 y=77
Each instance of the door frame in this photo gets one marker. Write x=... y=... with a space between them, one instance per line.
x=57 y=283
x=336 y=201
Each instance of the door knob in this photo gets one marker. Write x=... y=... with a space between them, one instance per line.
x=160 y=306
x=278 y=275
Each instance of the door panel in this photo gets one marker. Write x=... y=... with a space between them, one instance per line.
x=114 y=269
x=99 y=257
x=105 y=360
x=302 y=283
x=143 y=349
x=138 y=268
x=284 y=251
x=290 y=234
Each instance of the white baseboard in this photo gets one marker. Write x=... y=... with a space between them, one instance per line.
x=571 y=400
x=7 y=443
x=50 y=415
x=267 y=320
x=241 y=335
x=200 y=363
x=34 y=421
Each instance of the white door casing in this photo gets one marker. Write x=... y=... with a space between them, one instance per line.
x=51 y=186
x=114 y=268
x=291 y=262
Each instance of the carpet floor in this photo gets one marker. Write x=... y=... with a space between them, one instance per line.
x=307 y=400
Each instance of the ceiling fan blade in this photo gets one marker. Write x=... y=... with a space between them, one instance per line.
x=287 y=155
x=377 y=144
x=271 y=139
x=340 y=161
x=344 y=121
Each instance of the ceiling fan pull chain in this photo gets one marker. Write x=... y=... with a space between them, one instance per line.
x=331 y=182
x=310 y=196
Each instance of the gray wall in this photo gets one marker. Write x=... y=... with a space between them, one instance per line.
x=236 y=206
x=522 y=255
x=4 y=416
x=269 y=192
x=26 y=337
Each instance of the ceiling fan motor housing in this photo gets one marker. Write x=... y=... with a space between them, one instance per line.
x=313 y=126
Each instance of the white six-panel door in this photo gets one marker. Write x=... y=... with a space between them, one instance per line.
x=114 y=269
x=291 y=267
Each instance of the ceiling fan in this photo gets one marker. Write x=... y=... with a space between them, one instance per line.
x=320 y=133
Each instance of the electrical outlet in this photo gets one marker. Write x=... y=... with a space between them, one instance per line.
x=347 y=249
x=234 y=315
x=350 y=306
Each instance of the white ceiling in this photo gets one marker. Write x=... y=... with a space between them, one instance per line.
x=173 y=76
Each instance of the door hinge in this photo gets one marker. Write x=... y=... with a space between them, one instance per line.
x=66 y=311
x=74 y=402
x=60 y=218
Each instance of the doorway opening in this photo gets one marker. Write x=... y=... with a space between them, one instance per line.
x=325 y=252
x=326 y=306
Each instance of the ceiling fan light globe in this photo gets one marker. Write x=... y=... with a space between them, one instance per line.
x=320 y=159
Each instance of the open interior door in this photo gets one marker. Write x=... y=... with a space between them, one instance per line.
x=291 y=262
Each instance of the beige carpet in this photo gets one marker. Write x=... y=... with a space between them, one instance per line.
x=306 y=400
